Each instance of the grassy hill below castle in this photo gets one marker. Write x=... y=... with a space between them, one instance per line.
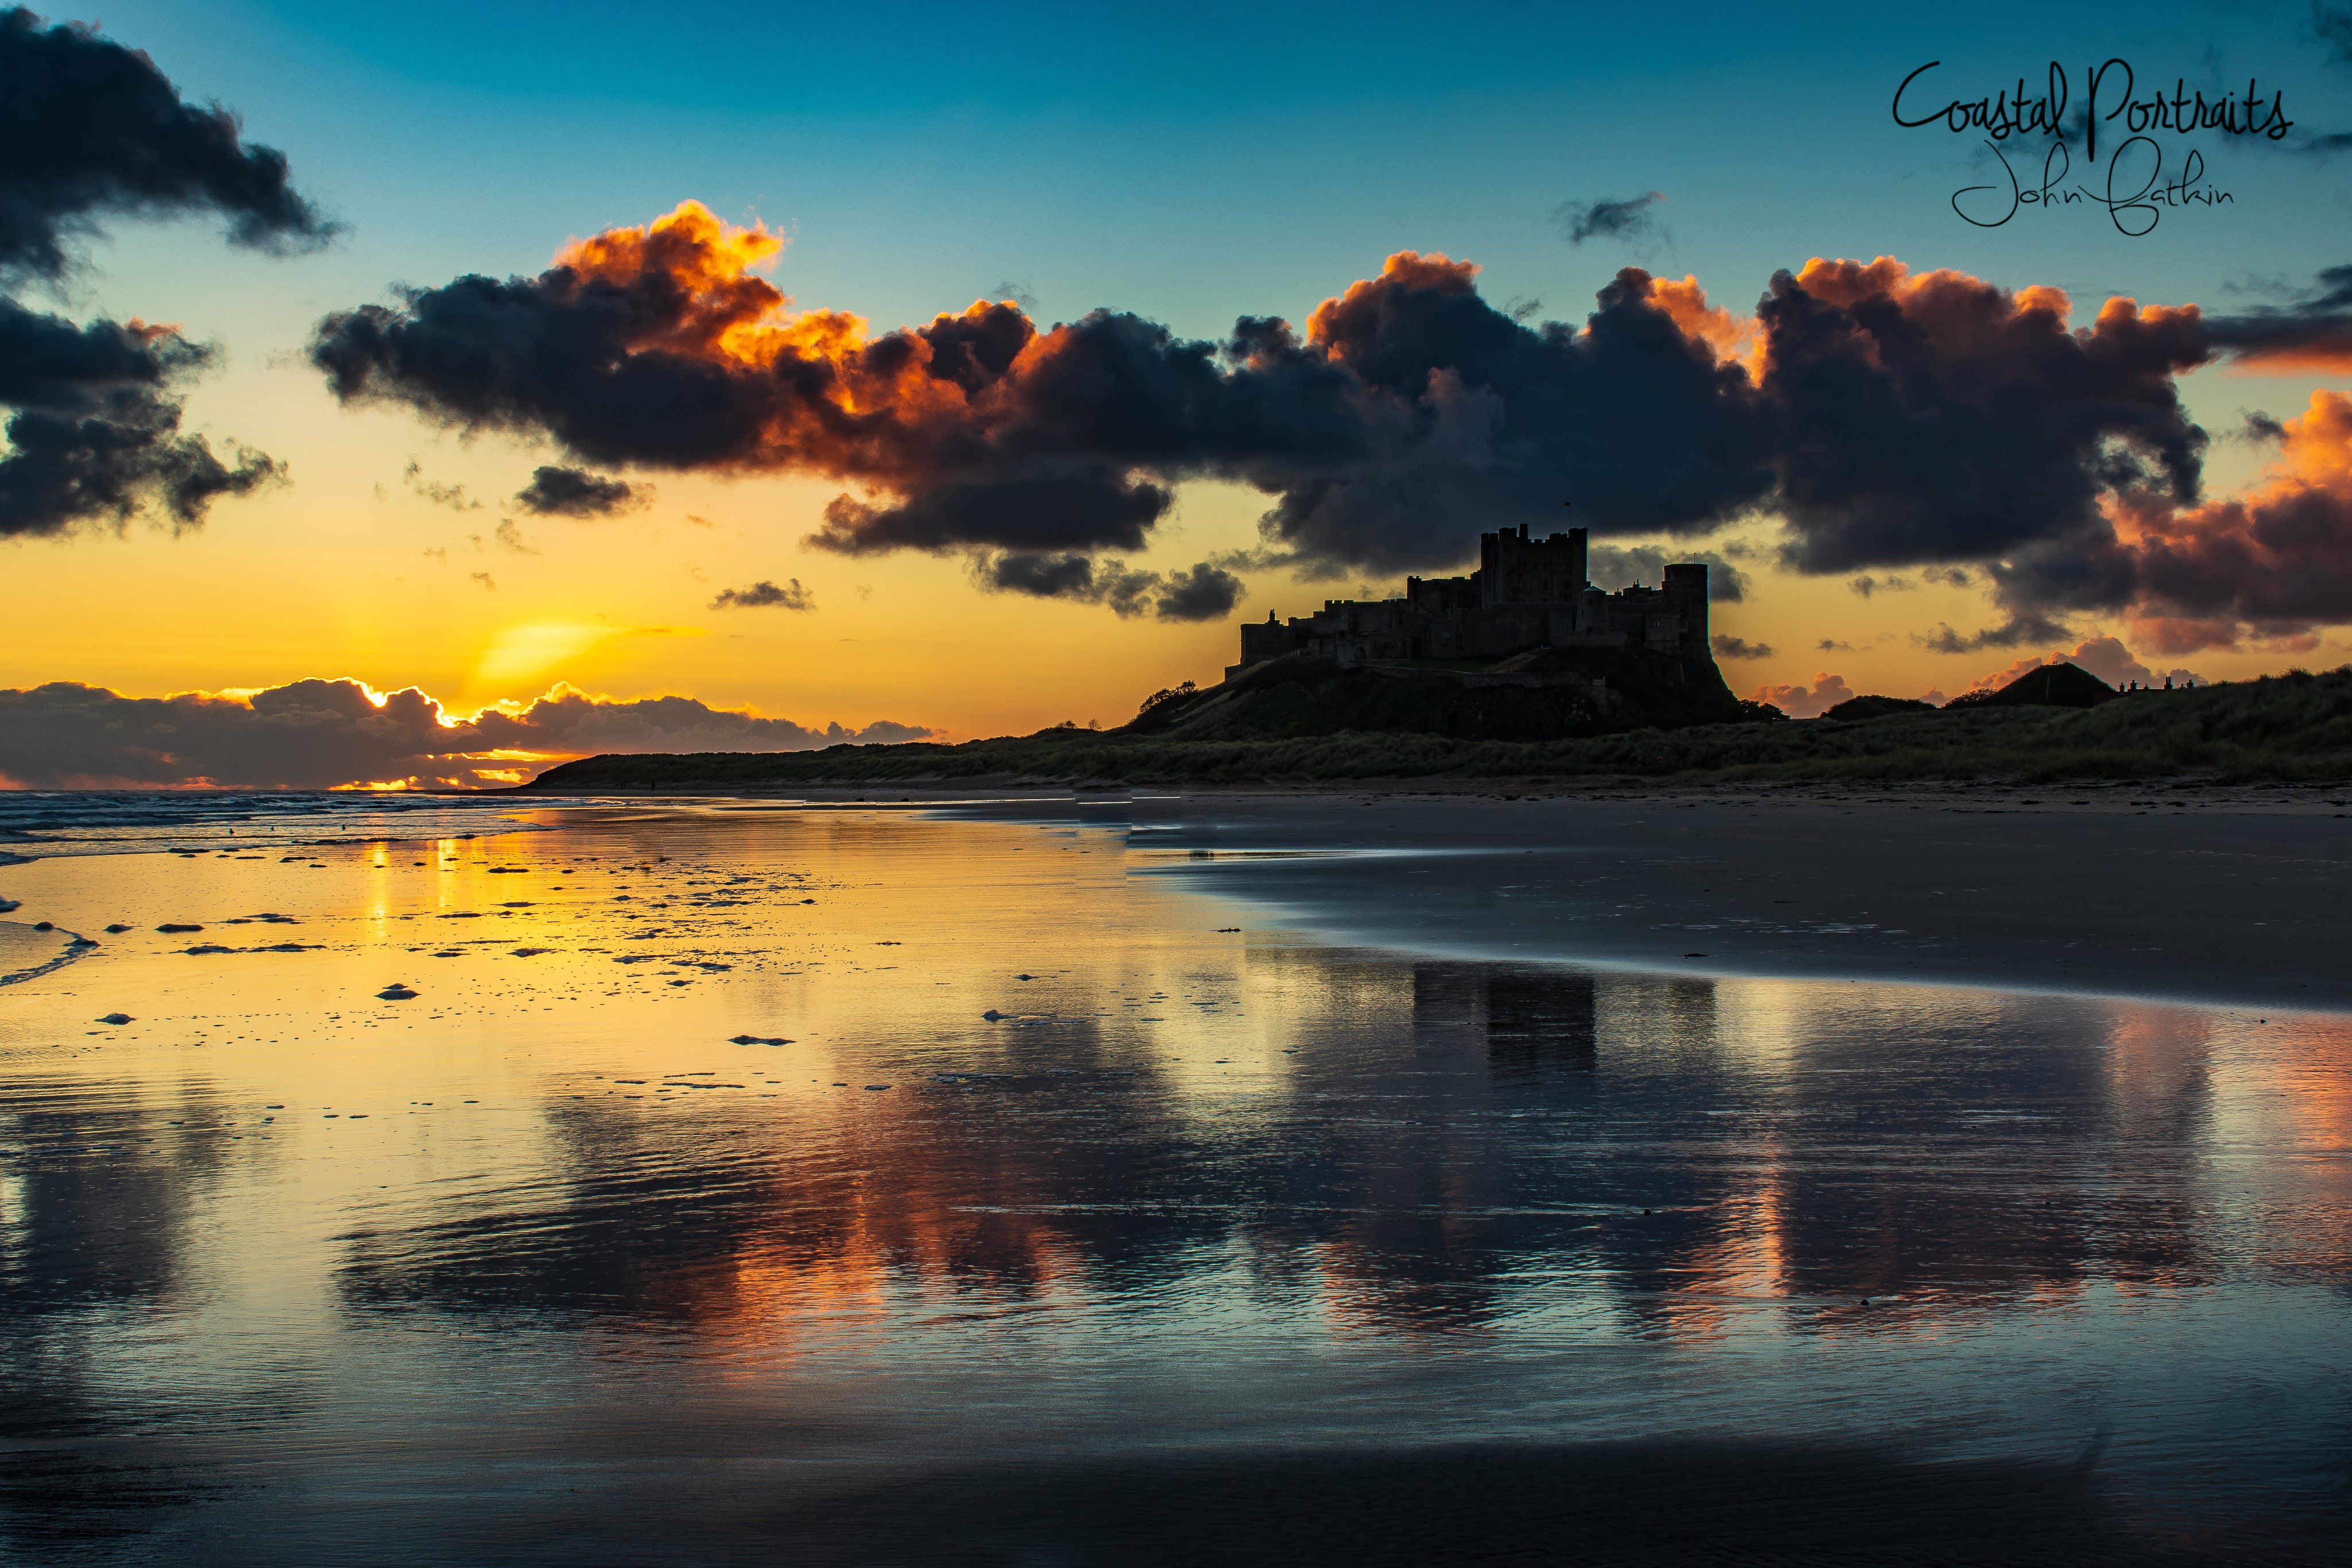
x=1544 y=695
x=2295 y=726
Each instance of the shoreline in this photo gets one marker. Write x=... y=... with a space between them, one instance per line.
x=2233 y=901
x=2218 y=896
x=2319 y=799
x=27 y=952
x=2209 y=896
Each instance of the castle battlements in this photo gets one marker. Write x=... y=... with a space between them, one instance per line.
x=1526 y=593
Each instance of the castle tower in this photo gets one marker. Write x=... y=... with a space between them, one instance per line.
x=1686 y=591
x=1517 y=571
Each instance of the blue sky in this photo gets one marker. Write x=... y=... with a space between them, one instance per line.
x=1200 y=162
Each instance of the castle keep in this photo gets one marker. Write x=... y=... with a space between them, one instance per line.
x=1526 y=593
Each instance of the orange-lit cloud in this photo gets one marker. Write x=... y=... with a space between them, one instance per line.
x=1805 y=702
x=2269 y=564
x=1735 y=339
x=1337 y=325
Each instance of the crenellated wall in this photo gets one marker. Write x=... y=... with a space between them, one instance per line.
x=1526 y=593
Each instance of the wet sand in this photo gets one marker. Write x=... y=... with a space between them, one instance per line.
x=27 y=951
x=2237 y=897
x=871 y=1186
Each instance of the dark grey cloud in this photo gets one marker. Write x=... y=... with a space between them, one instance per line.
x=49 y=362
x=93 y=428
x=2311 y=329
x=1629 y=218
x=1090 y=508
x=1062 y=577
x=765 y=595
x=555 y=491
x=1940 y=418
x=2016 y=631
x=1205 y=591
x=1730 y=647
x=1897 y=421
x=1200 y=593
x=1460 y=419
x=316 y=733
x=89 y=129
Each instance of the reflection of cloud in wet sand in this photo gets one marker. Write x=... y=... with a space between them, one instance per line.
x=1690 y=1165
x=101 y=1200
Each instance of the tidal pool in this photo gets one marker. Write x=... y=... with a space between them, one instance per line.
x=868 y=1187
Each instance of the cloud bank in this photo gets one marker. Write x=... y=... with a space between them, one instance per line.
x=90 y=131
x=1408 y=416
x=322 y=734
x=1891 y=419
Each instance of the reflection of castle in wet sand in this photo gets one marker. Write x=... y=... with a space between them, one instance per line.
x=1529 y=1016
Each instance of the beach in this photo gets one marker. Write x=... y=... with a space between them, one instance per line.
x=2233 y=897
x=1237 y=1176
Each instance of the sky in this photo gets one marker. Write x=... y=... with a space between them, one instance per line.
x=2154 y=494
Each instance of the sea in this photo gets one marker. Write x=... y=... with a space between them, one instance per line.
x=41 y=823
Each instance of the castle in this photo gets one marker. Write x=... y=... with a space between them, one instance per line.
x=1526 y=593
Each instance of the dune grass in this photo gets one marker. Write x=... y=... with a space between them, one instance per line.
x=2296 y=727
